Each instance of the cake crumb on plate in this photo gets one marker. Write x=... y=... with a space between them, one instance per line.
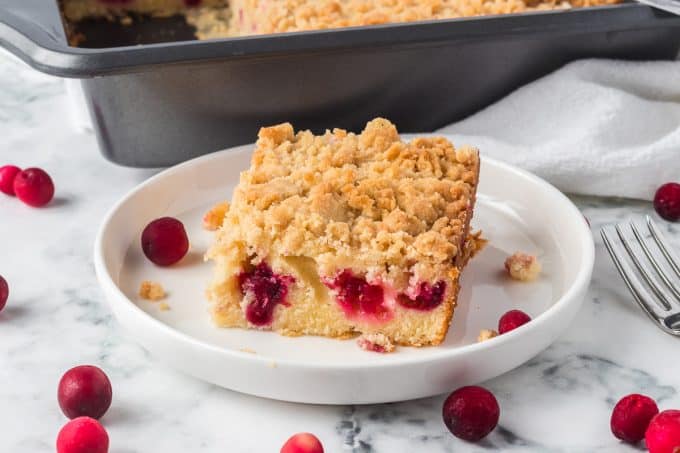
x=152 y=291
x=486 y=334
x=163 y=306
x=523 y=267
x=213 y=219
x=375 y=342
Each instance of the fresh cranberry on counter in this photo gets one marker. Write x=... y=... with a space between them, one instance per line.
x=302 y=443
x=667 y=201
x=4 y=292
x=663 y=433
x=7 y=175
x=84 y=391
x=34 y=187
x=83 y=435
x=471 y=413
x=631 y=416
x=165 y=241
x=512 y=320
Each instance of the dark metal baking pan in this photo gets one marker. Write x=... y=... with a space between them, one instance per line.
x=160 y=103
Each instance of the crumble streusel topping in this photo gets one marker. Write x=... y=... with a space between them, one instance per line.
x=368 y=202
x=267 y=16
x=222 y=18
x=523 y=267
x=213 y=219
x=151 y=291
x=486 y=334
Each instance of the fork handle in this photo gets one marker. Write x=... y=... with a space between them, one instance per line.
x=671 y=6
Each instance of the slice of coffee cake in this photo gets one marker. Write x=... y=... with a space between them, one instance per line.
x=342 y=234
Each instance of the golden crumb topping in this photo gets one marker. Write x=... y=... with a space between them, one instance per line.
x=522 y=267
x=486 y=334
x=221 y=18
x=151 y=291
x=213 y=219
x=368 y=202
x=275 y=16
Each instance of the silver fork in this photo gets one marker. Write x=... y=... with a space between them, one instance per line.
x=651 y=296
x=671 y=6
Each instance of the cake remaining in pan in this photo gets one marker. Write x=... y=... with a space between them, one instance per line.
x=342 y=234
x=277 y=16
x=223 y=18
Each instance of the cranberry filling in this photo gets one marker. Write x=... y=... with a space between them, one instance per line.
x=267 y=289
x=427 y=297
x=358 y=298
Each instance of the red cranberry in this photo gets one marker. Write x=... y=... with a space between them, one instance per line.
x=4 y=292
x=7 y=175
x=470 y=413
x=84 y=390
x=512 y=320
x=663 y=433
x=267 y=290
x=631 y=416
x=428 y=297
x=302 y=443
x=192 y=3
x=34 y=187
x=667 y=201
x=83 y=435
x=165 y=241
x=358 y=298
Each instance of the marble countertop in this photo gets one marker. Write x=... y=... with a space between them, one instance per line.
x=56 y=318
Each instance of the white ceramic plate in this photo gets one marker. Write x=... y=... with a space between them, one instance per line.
x=516 y=210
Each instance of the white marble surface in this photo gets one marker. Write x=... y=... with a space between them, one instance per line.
x=56 y=318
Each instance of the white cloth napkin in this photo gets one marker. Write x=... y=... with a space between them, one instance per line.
x=595 y=127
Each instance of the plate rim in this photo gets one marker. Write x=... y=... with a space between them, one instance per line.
x=106 y=281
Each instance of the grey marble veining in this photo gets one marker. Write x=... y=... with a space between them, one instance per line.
x=558 y=402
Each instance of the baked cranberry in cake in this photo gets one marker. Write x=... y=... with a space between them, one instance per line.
x=360 y=299
x=426 y=297
x=373 y=231
x=264 y=290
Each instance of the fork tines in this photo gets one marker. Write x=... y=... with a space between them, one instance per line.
x=659 y=295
